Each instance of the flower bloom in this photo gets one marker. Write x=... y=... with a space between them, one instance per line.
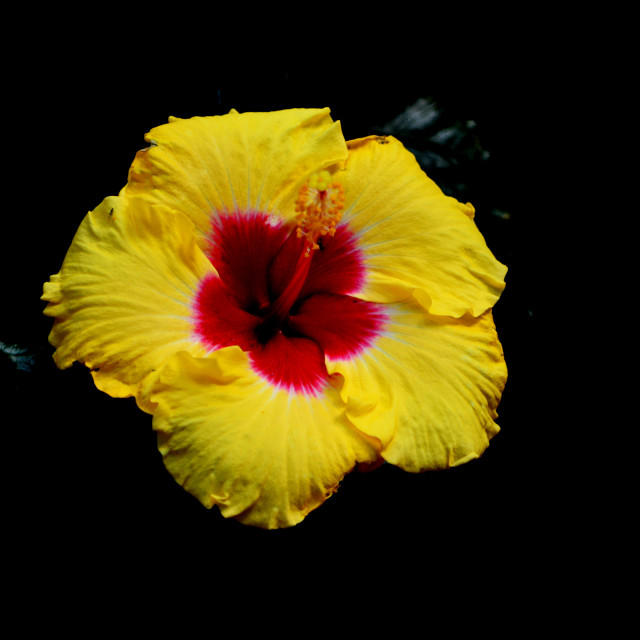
x=287 y=305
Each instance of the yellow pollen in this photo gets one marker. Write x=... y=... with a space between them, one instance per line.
x=319 y=207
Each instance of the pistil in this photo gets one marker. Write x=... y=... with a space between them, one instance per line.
x=319 y=207
x=279 y=310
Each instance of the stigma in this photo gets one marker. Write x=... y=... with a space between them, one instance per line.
x=319 y=207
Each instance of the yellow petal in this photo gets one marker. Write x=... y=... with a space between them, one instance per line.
x=235 y=162
x=122 y=299
x=416 y=241
x=264 y=456
x=428 y=388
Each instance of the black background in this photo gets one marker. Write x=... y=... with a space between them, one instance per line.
x=85 y=484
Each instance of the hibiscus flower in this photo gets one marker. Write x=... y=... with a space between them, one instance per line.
x=287 y=305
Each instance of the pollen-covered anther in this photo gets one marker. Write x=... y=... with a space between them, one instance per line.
x=319 y=206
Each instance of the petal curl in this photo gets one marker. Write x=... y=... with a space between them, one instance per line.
x=428 y=388
x=122 y=300
x=236 y=162
x=416 y=241
x=262 y=455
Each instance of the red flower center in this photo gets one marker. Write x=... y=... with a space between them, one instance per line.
x=286 y=306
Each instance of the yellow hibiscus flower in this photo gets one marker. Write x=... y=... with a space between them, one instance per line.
x=287 y=305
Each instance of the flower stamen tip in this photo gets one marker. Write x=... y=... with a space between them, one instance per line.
x=319 y=207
